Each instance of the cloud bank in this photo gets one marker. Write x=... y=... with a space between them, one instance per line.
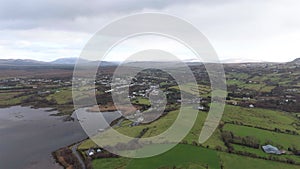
x=46 y=30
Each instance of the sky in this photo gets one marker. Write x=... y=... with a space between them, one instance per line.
x=260 y=30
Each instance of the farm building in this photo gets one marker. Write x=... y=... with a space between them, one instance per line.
x=272 y=150
x=90 y=152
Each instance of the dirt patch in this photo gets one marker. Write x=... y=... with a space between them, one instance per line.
x=126 y=110
x=66 y=158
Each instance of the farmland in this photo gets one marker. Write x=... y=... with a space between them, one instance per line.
x=262 y=107
x=264 y=136
x=185 y=156
x=230 y=161
x=216 y=143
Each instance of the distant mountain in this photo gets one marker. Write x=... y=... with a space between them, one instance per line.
x=20 y=62
x=241 y=60
x=68 y=61
x=73 y=61
x=58 y=62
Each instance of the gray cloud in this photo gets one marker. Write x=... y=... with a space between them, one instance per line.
x=249 y=28
x=16 y=14
x=70 y=9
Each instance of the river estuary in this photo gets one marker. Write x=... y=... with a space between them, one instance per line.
x=28 y=136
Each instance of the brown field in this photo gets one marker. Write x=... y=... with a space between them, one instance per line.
x=110 y=107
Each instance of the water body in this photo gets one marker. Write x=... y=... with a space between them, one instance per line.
x=28 y=136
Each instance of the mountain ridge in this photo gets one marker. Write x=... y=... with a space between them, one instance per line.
x=74 y=60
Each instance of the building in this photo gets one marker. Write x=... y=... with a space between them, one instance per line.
x=201 y=107
x=90 y=152
x=251 y=106
x=272 y=150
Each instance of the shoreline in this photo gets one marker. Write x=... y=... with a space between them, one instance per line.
x=59 y=159
x=64 y=165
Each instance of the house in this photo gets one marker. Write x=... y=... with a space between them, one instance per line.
x=90 y=152
x=272 y=150
x=251 y=106
x=246 y=98
x=43 y=92
x=201 y=107
x=140 y=119
x=134 y=124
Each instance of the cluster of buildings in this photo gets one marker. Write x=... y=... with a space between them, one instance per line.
x=14 y=83
x=93 y=151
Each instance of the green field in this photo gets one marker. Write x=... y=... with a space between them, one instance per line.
x=257 y=83
x=284 y=140
x=142 y=101
x=257 y=117
x=260 y=153
x=111 y=163
x=155 y=128
x=10 y=98
x=193 y=89
x=188 y=157
x=232 y=161
x=159 y=126
x=185 y=156
x=61 y=97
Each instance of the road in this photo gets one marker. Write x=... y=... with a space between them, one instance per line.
x=74 y=148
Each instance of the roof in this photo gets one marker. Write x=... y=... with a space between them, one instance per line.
x=271 y=149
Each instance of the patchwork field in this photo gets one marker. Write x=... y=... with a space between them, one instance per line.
x=260 y=125
x=264 y=118
x=280 y=139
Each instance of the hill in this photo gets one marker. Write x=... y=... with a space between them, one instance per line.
x=20 y=62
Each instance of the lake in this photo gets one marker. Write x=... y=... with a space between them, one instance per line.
x=28 y=136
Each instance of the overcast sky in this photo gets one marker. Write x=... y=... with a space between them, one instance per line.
x=267 y=30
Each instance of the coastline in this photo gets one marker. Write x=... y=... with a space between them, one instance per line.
x=60 y=159
x=61 y=162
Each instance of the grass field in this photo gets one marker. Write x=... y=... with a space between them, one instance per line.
x=62 y=97
x=163 y=124
x=142 y=101
x=111 y=163
x=254 y=116
x=155 y=128
x=260 y=153
x=186 y=156
x=262 y=87
x=284 y=140
x=9 y=99
x=232 y=161
x=193 y=89
x=258 y=117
